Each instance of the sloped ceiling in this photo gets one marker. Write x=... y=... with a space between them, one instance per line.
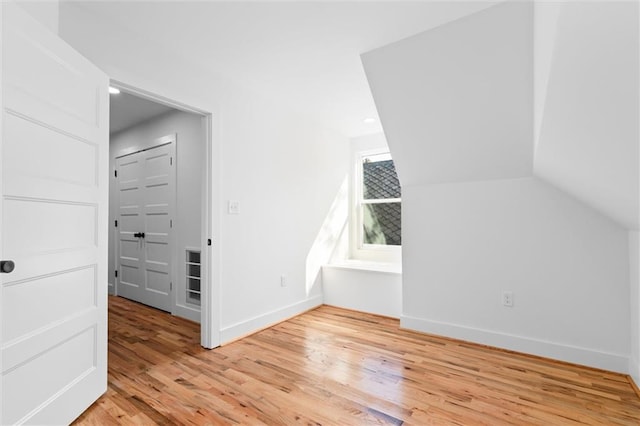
x=588 y=138
x=127 y=110
x=304 y=53
x=457 y=102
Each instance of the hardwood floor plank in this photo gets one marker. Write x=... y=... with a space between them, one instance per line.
x=332 y=366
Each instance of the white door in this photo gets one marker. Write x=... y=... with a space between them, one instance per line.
x=54 y=172
x=146 y=188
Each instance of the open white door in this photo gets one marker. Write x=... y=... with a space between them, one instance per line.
x=54 y=172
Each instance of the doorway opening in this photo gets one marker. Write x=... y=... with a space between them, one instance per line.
x=159 y=198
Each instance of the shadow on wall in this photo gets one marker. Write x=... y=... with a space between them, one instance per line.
x=328 y=236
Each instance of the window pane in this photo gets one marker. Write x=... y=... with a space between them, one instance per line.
x=380 y=180
x=381 y=223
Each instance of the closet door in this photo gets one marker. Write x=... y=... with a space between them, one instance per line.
x=130 y=223
x=146 y=184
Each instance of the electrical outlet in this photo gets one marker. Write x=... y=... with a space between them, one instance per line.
x=283 y=280
x=233 y=207
x=507 y=299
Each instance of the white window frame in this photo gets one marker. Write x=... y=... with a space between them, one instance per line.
x=358 y=249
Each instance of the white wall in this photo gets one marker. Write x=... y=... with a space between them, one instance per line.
x=190 y=148
x=363 y=289
x=456 y=101
x=588 y=116
x=283 y=168
x=465 y=243
x=588 y=143
x=285 y=171
x=565 y=263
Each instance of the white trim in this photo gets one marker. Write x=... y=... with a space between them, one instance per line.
x=634 y=370
x=563 y=352
x=260 y=322
x=146 y=146
x=186 y=312
x=362 y=265
x=211 y=305
x=141 y=93
x=2 y=107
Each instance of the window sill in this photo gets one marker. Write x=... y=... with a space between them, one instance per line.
x=363 y=265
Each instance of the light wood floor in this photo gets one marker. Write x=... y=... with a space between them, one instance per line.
x=337 y=367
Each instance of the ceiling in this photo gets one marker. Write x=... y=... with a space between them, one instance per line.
x=127 y=110
x=306 y=54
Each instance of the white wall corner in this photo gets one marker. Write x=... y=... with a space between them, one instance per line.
x=589 y=149
x=573 y=354
x=423 y=92
x=545 y=25
x=266 y=320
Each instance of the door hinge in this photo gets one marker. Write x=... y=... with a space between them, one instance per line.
x=170 y=286
x=171 y=161
x=116 y=273
x=115 y=173
x=116 y=223
x=209 y=241
x=170 y=223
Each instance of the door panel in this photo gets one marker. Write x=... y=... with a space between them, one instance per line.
x=54 y=225
x=51 y=164
x=129 y=222
x=159 y=193
x=70 y=226
x=30 y=391
x=146 y=182
x=31 y=301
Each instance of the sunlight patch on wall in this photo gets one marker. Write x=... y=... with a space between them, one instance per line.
x=329 y=235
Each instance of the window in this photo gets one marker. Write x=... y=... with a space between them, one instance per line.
x=378 y=202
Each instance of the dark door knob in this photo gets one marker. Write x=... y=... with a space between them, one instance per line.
x=7 y=266
x=142 y=235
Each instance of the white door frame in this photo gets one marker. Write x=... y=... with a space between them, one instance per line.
x=209 y=304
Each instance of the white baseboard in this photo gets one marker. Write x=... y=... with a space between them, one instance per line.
x=573 y=354
x=111 y=288
x=187 y=312
x=260 y=322
x=634 y=370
